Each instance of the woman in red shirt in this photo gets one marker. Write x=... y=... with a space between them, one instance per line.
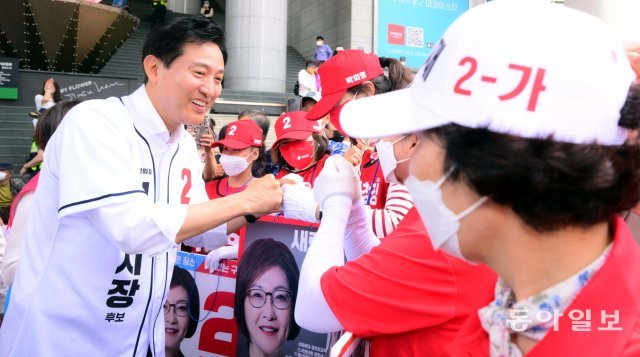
x=299 y=147
x=529 y=182
x=241 y=149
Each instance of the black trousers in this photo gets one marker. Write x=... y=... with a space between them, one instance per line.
x=159 y=12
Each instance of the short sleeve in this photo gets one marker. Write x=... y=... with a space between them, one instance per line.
x=399 y=286
x=91 y=155
x=38 y=101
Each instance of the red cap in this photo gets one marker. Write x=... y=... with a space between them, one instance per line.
x=241 y=134
x=293 y=125
x=345 y=70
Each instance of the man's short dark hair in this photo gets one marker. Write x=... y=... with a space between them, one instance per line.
x=183 y=278
x=166 y=42
x=550 y=185
x=319 y=38
x=259 y=257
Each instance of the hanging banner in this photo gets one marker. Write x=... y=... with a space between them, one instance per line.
x=411 y=28
x=9 y=78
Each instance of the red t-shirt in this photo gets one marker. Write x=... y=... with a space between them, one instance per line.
x=404 y=297
x=309 y=175
x=220 y=188
x=374 y=186
x=615 y=287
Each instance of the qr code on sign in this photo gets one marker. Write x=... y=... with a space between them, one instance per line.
x=415 y=37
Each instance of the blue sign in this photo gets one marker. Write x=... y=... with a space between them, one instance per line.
x=411 y=28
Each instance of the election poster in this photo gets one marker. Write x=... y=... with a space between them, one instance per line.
x=411 y=28
x=201 y=316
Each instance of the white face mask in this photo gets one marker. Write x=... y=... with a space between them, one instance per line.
x=233 y=165
x=3 y=175
x=319 y=43
x=442 y=224
x=388 y=159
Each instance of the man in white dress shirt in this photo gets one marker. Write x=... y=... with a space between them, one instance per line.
x=121 y=188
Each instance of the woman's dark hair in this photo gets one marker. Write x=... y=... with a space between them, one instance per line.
x=321 y=148
x=183 y=278
x=50 y=120
x=222 y=132
x=56 y=94
x=548 y=184
x=399 y=77
x=259 y=257
x=259 y=118
x=167 y=42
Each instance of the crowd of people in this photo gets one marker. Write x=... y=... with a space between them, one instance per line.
x=472 y=209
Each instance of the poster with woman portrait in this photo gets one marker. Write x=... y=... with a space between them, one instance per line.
x=245 y=308
x=272 y=252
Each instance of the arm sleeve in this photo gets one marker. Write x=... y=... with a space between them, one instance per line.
x=404 y=281
x=359 y=236
x=93 y=160
x=14 y=244
x=312 y=311
x=142 y=227
x=38 y=100
x=99 y=181
x=385 y=220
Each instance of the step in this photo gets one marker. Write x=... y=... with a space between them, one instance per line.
x=14 y=141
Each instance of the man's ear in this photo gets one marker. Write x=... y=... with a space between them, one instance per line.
x=369 y=88
x=152 y=66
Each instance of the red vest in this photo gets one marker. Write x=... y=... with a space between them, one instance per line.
x=29 y=187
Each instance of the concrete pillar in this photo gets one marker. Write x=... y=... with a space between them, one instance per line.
x=257 y=45
x=184 y=6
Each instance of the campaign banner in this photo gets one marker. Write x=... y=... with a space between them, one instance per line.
x=276 y=236
x=208 y=319
x=200 y=317
x=411 y=28
x=9 y=78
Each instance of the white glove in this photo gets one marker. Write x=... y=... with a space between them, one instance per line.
x=298 y=203
x=337 y=178
x=294 y=177
x=212 y=261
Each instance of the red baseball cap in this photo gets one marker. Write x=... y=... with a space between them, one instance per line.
x=294 y=125
x=241 y=134
x=345 y=70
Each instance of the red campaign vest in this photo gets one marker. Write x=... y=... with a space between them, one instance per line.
x=374 y=186
x=29 y=187
x=616 y=286
x=309 y=175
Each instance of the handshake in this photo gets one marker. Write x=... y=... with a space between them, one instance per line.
x=337 y=178
x=295 y=198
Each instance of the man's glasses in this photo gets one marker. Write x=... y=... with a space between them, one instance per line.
x=181 y=309
x=280 y=299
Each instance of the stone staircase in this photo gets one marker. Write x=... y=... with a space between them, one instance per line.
x=16 y=131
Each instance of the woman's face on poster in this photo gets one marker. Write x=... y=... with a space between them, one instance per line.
x=176 y=317
x=268 y=324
